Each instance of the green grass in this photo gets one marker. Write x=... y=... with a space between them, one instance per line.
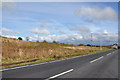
x=45 y=59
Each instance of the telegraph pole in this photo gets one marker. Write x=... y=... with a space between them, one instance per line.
x=100 y=44
x=91 y=39
x=38 y=37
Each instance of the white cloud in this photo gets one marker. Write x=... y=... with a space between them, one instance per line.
x=76 y=38
x=79 y=28
x=106 y=13
x=89 y=20
x=16 y=37
x=60 y=38
x=44 y=23
x=62 y=32
x=6 y=31
x=94 y=29
x=106 y=38
x=105 y=31
x=0 y=32
x=36 y=30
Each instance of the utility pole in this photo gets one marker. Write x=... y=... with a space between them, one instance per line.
x=38 y=37
x=91 y=39
x=100 y=44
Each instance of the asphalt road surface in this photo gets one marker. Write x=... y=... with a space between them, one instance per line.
x=97 y=65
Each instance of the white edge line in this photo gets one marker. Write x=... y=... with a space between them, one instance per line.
x=13 y=68
x=108 y=54
x=45 y=62
x=59 y=74
x=96 y=59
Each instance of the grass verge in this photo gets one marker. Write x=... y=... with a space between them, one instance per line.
x=13 y=63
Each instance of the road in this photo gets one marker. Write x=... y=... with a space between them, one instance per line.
x=97 y=65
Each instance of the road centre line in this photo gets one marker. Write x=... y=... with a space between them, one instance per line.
x=59 y=74
x=44 y=62
x=96 y=59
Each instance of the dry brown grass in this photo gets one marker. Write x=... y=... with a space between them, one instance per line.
x=15 y=50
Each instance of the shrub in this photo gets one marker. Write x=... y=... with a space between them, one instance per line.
x=62 y=43
x=44 y=41
x=37 y=41
x=88 y=45
x=55 y=42
x=20 y=38
x=80 y=44
x=70 y=44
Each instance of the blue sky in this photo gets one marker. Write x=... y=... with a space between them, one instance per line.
x=68 y=22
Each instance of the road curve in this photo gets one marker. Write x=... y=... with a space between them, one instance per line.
x=97 y=65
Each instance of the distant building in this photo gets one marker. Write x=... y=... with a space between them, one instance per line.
x=115 y=46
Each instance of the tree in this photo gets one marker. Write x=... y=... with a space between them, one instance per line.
x=80 y=44
x=37 y=41
x=88 y=45
x=44 y=41
x=20 y=38
x=27 y=38
x=54 y=41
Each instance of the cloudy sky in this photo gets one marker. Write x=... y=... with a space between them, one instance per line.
x=68 y=22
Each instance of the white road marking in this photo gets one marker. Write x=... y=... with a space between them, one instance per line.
x=45 y=62
x=29 y=65
x=59 y=74
x=96 y=59
x=108 y=54
x=14 y=68
x=21 y=67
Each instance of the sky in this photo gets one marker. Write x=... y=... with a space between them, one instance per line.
x=66 y=22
